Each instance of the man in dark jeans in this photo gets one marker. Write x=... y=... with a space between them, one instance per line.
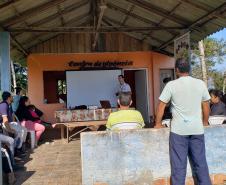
x=190 y=110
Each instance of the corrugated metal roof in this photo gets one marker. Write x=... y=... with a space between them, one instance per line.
x=197 y=16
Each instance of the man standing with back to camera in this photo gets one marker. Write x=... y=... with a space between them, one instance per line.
x=190 y=111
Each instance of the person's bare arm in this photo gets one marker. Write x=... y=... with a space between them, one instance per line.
x=7 y=125
x=206 y=112
x=14 y=117
x=160 y=112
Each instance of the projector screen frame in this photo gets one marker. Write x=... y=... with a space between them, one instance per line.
x=89 y=69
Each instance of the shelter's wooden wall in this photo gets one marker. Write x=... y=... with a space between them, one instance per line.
x=82 y=43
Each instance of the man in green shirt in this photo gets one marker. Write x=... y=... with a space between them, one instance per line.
x=125 y=116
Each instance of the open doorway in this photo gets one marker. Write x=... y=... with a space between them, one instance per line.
x=138 y=81
x=166 y=74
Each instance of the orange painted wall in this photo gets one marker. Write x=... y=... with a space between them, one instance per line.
x=37 y=63
x=160 y=62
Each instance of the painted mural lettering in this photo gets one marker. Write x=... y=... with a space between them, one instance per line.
x=104 y=64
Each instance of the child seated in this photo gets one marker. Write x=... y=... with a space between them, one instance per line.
x=33 y=111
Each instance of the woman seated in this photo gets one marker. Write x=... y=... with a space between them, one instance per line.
x=27 y=120
x=218 y=108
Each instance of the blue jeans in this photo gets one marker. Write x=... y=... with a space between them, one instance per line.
x=9 y=141
x=192 y=146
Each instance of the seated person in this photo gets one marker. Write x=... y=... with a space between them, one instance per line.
x=27 y=120
x=33 y=113
x=9 y=142
x=37 y=114
x=8 y=123
x=167 y=112
x=16 y=98
x=218 y=108
x=125 y=115
x=7 y=166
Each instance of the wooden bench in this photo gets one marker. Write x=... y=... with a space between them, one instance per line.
x=93 y=125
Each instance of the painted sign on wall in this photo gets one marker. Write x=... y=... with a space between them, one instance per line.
x=182 y=47
x=100 y=64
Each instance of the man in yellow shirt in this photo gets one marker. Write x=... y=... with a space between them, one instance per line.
x=125 y=116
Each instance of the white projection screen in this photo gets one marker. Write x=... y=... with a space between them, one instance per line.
x=89 y=87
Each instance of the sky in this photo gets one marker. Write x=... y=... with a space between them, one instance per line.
x=220 y=35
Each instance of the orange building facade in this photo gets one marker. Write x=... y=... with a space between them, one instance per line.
x=38 y=64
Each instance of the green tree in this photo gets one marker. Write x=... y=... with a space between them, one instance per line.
x=215 y=53
x=218 y=79
x=20 y=73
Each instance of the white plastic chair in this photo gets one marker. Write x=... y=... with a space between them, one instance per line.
x=126 y=126
x=216 y=120
x=166 y=122
x=32 y=134
x=4 y=130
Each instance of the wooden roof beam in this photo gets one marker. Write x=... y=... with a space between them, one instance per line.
x=89 y=29
x=55 y=16
x=159 y=11
x=163 y=19
x=79 y=18
x=135 y=16
x=10 y=2
x=102 y=10
x=93 y=13
x=218 y=10
x=30 y=12
x=126 y=12
x=197 y=4
x=53 y=35
x=60 y=13
x=200 y=6
x=109 y=20
x=123 y=23
x=69 y=9
x=154 y=48
x=24 y=21
x=19 y=46
x=127 y=15
x=15 y=43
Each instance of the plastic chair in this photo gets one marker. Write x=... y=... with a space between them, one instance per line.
x=126 y=126
x=32 y=136
x=4 y=131
x=216 y=120
x=166 y=122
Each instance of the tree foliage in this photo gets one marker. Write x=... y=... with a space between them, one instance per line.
x=20 y=72
x=21 y=75
x=215 y=54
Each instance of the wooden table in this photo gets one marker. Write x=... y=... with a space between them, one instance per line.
x=76 y=124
